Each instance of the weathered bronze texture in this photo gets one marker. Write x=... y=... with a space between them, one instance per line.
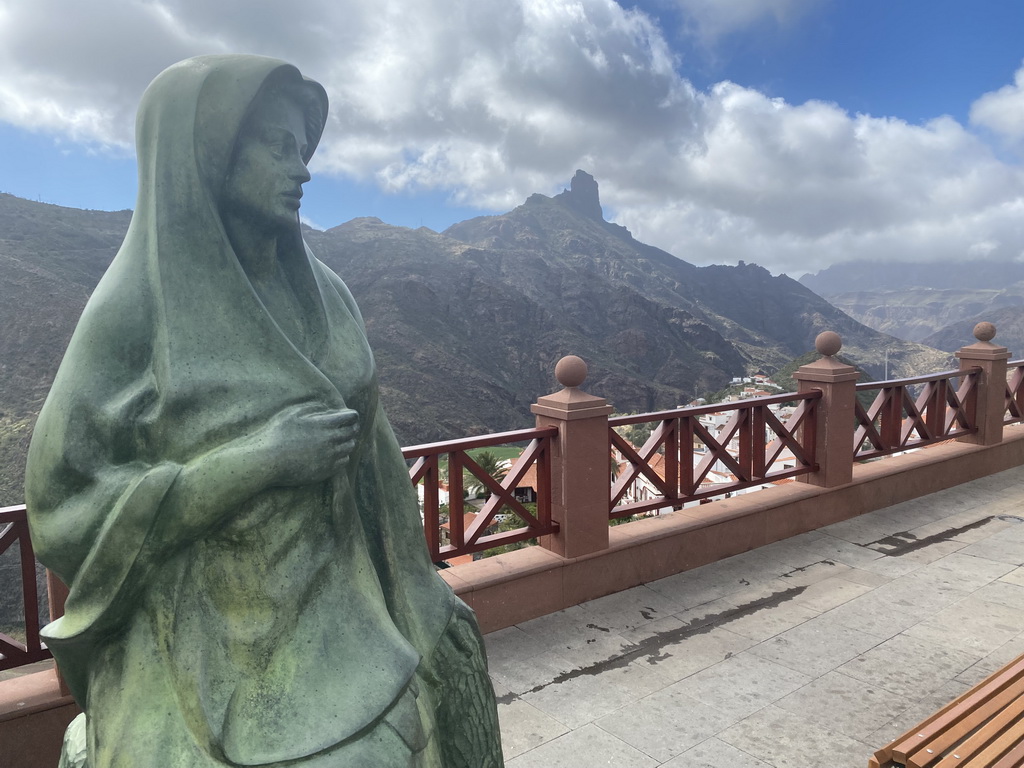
x=214 y=478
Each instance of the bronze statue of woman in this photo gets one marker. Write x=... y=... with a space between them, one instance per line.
x=214 y=478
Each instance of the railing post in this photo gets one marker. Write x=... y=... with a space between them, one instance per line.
x=57 y=593
x=990 y=394
x=580 y=462
x=835 y=419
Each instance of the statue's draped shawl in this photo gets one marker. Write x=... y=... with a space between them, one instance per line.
x=174 y=356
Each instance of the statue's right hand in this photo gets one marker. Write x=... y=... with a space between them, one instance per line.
x=308 y=443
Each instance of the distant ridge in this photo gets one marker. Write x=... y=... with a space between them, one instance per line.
x=466 y=325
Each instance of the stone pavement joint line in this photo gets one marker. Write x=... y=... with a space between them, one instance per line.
x=812 y=651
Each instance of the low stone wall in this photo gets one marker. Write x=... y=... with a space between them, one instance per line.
x=521 y=585
x=33 y=716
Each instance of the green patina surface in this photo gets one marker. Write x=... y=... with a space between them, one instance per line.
x=213 y=476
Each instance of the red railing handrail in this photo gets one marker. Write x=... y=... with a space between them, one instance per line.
x=467 y=541
x=953 y=374
x=1013 y=405
x=479 y=441
x=701 y=410
x=938 y=413
x=683 y=483
x=14 y=530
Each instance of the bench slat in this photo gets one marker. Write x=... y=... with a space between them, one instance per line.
x=982 y=714
x=1011 y=732
x=949 y=715
x=1012 y=759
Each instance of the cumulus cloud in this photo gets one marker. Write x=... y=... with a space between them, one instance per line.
x=1002 y=111
x=710 y=20
x=493 y=100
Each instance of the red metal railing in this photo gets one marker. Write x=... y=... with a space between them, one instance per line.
x=748 y=446
x=432 y=459
x=897 y=420
x=1014 y=411
x=14 y=530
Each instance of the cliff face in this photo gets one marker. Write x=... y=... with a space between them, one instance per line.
x=913 y=301
x=466 y=325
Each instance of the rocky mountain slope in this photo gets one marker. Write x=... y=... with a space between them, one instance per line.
x=466 y=325
x=913 y=300
x=1009 y=322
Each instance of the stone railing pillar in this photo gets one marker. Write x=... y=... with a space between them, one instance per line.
x=836 y=416
x=580 y=462
x=990 y=402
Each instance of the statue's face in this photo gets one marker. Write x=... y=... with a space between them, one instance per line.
x=265 y=182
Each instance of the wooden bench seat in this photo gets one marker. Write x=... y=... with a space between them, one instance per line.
x=983 y=728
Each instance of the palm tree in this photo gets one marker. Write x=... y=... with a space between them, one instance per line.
x=490 y=464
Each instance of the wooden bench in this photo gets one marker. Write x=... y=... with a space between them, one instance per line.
x=983 y=728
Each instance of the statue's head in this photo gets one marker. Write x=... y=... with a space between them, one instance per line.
x=223 y=122
x=268 y=165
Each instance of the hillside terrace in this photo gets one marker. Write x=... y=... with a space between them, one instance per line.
x=805 y=624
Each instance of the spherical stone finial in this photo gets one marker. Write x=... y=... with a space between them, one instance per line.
x=828 y=343
x=984 y=331
x=571 y=371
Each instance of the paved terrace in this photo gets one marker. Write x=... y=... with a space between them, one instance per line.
x=813 y=651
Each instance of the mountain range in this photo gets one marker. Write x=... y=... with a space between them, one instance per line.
x=466 y=325
x=934 y=302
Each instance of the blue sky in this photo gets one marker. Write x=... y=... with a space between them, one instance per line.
x=791 y=133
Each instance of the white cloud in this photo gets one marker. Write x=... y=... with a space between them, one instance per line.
x=1002 y=111
x=493 y=100
x=709 y=20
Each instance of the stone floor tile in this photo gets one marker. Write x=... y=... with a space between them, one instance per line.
x=877 y=615
x=577 y=637
x=1002 y=593
x=910 y=667
x=828 y=594
x=707 y=614
x=795 y=552
x=928 y=554
x=893 y=567
x=524 y=727
x=816 y=647
x=785 y=740
x=1016 y=576
x=715 y=753
x=839 y=702
x=593 y=693
x=866 y=578
x=665 y=723
x=926 y=590
x=1000 y=657
x=587 y=747
x=863 y=529
x=970 y=536
x=660 y=628
x=742 y=684
x=693 y=588
x=964 y=570
x=770 y=621
x=840 y=551
x=913 y=514
x=813 y=573
x=917 y=711
x=997 y=548
x=519 y=661
x=972 y=625
x=693 y=653
x=628 y=610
